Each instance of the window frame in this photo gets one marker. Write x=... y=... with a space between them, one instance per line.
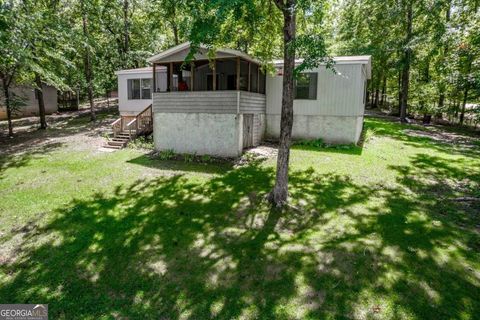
x=130 y=86
x=311 y=76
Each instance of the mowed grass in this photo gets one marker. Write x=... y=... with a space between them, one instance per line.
x=389 y=230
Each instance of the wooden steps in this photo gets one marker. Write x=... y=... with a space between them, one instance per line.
x=124 y=132
x=118 y=142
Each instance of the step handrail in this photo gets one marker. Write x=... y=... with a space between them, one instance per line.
x=130 y=128
x=117 y=128
x=143 y=122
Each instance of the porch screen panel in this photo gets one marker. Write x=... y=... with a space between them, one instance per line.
x=161 y=81
x=254 y=78
x=226 y=75
x=202 y=77
x=261 y=84
x=243 y=75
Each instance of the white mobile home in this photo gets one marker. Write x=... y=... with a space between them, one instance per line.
x=222 y=105
x=28 y=97
x=328 y=105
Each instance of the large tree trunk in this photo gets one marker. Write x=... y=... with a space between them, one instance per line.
x=88 y=66
x=279 y=194
x=6 y=92
x=41 y=101
x=406 y=64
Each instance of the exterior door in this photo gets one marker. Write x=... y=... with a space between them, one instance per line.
x=247 y=130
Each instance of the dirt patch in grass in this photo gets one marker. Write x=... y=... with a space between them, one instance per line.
x=73 y=129
x=434 y=133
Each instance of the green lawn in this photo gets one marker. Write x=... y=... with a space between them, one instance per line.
x=374 y=232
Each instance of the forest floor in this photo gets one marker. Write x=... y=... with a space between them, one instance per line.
x=386 y=230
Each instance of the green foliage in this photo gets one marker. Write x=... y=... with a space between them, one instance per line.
x=317 y=143
x=166 y=154
x=444 y=45
x=206 y=158
x=188 y=158
x=142 y=142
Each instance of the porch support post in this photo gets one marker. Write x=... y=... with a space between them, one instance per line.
x=171 y=76
x=258 y=79
x=238 y=73
x=192 y=70
x=168 y=76
x=249 y=73
x=214 y=75
x=154 y=78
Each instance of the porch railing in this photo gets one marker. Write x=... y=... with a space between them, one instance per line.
x=142 y=123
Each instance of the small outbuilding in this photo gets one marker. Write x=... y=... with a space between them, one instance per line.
x=27 y=101
x=223 y=104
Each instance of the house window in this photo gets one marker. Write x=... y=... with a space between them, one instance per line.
x=139 y=89
x=146 y=89
x=306 y=86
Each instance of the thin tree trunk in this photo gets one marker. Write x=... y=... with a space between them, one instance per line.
x=87 y=66
x=399 y=91
x=6 y=92
x=406 y=64
x=175 y=33
x=384 y=91
x=377 y=93
x=41 y=101
x=126 y=44
x=175 y=26
x=279 y=194
x=464 y=104
x=108 y=100
x=441 y=98
x=441 y=104
x=466 y=90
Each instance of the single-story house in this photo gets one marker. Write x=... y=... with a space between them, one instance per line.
x=28 y=101
x=222 y=105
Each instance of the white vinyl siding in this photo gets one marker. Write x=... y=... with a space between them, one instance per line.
x=338 y=94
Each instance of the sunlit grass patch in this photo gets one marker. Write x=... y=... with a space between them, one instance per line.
x=373 y=232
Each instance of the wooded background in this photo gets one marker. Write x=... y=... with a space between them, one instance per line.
x=426 y=53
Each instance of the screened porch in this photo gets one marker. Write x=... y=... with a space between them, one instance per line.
x=226 y=74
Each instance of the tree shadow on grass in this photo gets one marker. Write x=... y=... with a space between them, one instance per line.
x=170 y=248
x=9 y=159
x=181 y=166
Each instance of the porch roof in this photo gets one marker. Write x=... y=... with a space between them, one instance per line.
x=363 y=60
x=179 y=53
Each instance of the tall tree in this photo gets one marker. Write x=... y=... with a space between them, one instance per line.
x=216 y=23
x=407 y=57
x=87 y=64
x=13 y=54
x=279 y=194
